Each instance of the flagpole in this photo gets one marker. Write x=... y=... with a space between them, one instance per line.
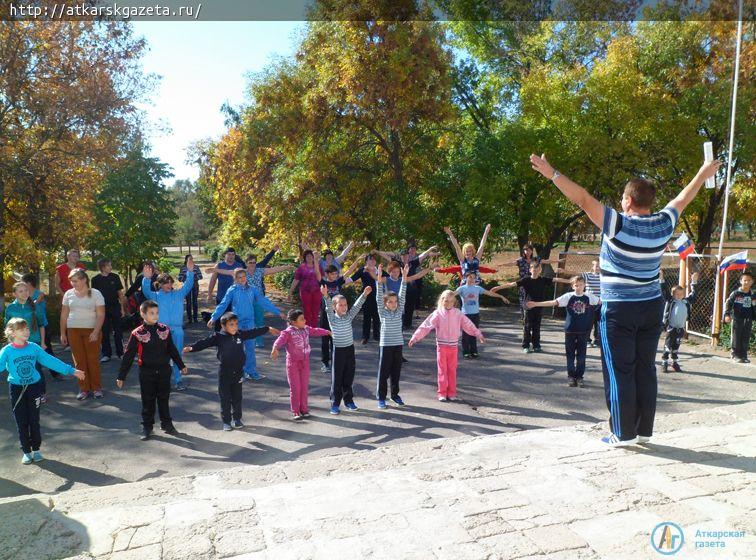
x=718 y=288
x=732 y=129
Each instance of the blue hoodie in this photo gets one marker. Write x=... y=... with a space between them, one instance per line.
x=242 y=300
x=21 y=363
x=170 y=304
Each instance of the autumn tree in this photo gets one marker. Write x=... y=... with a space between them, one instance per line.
x=66 y=107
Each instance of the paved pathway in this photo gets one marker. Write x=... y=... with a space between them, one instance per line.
x=556 y=493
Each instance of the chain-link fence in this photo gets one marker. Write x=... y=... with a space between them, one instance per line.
x=702 y=309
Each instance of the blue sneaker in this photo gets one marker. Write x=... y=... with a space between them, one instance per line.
x=382 y=404
x=254 y=376
x=37 y=456
x=398 y=400
x=26 y=459
x=335 y=409
x=351 y=406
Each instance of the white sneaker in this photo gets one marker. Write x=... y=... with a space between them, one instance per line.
x=613 y=441
x=104 y=359
x=644 y=439
x=324 y=369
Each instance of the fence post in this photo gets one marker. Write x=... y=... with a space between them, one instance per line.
x=720 y=284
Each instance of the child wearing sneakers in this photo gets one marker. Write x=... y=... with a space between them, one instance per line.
x=20 y=358
x=470 y=293
x=343 y=362
x=739 y=313
x=229 y=342
x=676 y=313
x=152 y=344
x=296 y=339
x=390 y=310
x=580 y=307
x=448 y=322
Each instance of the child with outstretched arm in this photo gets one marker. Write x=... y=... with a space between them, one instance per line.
x=152 y=344
x=296 y=339
x=470 y=293
x=231 y=352
x=448 y=322
x=20 y=358
x=580 y=307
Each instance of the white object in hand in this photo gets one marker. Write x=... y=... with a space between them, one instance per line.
x=709 y=156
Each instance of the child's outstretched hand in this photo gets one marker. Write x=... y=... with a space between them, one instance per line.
x=184 y=371
x=210 y=324
x=274 y=353
x=368 y=290
x=505 y=300
x=411 y=343
x=530 y=304
x=324 y=291
x=447 y=230
x=80 y=375
x=727 y=319
x=380 y=272
x=187 y=349
x=274 y=331
x=119 y=383
x=405 y=271
x=694 y=278
x=210 y=270
x=482 y=339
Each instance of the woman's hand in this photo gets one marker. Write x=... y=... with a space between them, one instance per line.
x=274 y=331
x=94 y=336
x=64 y=339
x=80 y=375
x=541 y=165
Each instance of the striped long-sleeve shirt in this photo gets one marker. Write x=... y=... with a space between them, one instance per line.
x=341 y=325
x=391 y=321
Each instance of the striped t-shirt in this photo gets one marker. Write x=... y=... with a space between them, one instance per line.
x=631 y=252
x=341 y=326
x=391 y=321
x=592 y=283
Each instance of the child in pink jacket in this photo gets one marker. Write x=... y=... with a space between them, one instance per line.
x=296 y=339
x=449 y=322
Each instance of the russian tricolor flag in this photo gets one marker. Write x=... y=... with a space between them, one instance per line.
x=684 y=246
x=738 y=261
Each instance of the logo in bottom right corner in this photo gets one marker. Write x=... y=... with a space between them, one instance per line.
x=667 y=538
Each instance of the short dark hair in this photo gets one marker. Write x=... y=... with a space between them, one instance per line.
x=226 y=317
x=642 y=191
x=148 y=304
x=745 y=273
x=164 y=278
x=331 y=268
x=327 y=252
x=30 y=278
x=102 y=262
x=293 y=315
x=229 y=250
x=251 y=257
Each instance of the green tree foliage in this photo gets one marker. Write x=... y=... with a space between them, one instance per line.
x=133 y=213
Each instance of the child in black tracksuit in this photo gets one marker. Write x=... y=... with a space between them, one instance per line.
x=739 y=313
x=676 y=314
x=153 y=344
x=535 y=287
x=230 y=344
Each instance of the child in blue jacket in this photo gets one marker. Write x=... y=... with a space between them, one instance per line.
x=171 y=305
x=20 y=358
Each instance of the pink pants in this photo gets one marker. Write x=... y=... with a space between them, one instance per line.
x=446 y=358
x=298 y=374
x=311 y=306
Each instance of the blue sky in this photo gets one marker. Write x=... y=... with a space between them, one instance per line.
x=203 y=65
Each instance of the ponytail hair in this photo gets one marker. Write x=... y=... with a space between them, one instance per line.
x=82 y=275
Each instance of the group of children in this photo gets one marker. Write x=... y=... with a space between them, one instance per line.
x=157 y=344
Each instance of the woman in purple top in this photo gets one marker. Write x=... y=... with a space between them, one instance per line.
x=306 y=280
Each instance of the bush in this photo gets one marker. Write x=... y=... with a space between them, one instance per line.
x=725 y=337
x=166 y=265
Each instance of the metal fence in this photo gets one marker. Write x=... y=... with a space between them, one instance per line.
x=702 y=311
